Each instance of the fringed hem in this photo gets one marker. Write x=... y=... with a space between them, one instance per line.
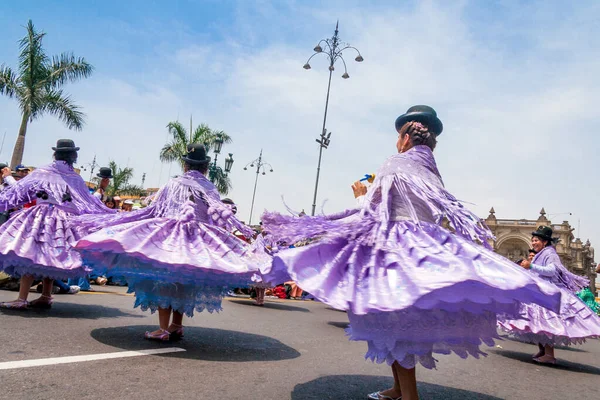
x=152 y=295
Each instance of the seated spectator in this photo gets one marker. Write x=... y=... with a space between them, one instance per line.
x=127 y=205
x=295 y=291
x=110 y=202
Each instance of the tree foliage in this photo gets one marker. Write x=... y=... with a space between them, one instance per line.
x=36 y=85
x=119 y=184
x=176 y=149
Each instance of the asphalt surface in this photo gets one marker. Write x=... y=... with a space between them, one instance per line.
x=285 y=350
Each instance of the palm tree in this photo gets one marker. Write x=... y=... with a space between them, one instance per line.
x=175 y=149
x=119 y=184
x=37 y=86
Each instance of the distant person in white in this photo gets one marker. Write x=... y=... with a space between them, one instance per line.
x=7 y=178
x=105 y=176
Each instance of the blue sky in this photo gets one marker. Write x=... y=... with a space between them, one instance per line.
x=515 y=83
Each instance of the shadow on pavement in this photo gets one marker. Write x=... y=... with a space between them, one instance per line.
x=334 y=309
x=359 y=386
x=566 y=348
x=72 y=310
x=337 y=324
x=201 y=344
x=271 y=305
x=560 y=363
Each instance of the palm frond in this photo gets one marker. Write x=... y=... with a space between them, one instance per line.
x=132 y=190
x=177 y=148
x=203 y=134
x=60 y=105
x=32 y=59
x=9 y=82
x=220 y=179
x=178 y=131
x=223 y=135
x=113 y=167
x=33 y=101
x=120 y=180
x=67 y=68
x=170 y=152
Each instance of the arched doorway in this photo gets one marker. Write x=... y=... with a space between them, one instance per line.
x=513 y=249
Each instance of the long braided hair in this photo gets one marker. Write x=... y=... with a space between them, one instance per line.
x=419 y=134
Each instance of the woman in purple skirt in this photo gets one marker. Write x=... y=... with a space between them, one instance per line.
x=177 y=255
x=411 y=287
x=37 y=241
x=575 y=322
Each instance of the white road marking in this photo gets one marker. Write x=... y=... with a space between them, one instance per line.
x=92 y=357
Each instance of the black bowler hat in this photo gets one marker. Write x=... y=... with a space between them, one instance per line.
x=544 y=233
x=105 y=172
x=196 y=154
x=423 y=114
x=65 y=145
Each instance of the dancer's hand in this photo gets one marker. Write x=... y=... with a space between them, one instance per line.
x=6 y=172
x=359 y=189
x=526 y=264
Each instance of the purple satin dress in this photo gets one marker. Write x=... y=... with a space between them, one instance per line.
x=575 y=322
x=38 y=240
x=267 y=276
x=178 y=252
x=411 y=288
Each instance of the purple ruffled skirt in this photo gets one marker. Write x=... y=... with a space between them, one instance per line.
x=38 y=241
x=171 y=262
x=572 y=325
x=267 y=276
x=414 y=290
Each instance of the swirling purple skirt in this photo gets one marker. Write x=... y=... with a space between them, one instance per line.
x=38 y=241
x=572 y=325
x=174 y=263
x=415 y=290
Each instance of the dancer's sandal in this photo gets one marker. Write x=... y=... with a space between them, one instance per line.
x=42 y=303
x=545 y=359
x=538 y=355
x=379 y=396
x=177 y=333
x=18 y=304
x=162 y=335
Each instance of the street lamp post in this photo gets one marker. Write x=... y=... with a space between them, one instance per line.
x=260 y=165
x=218 y=146
x=333 y=50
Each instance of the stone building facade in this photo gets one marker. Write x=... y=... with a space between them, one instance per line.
x=513 y=238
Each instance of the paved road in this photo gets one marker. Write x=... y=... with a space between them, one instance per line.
x=285 y=350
